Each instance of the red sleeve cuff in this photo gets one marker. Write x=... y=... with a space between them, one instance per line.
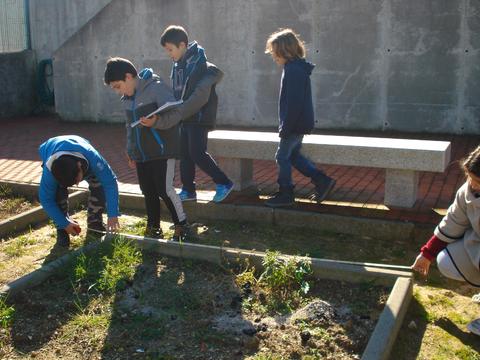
x=433 y=247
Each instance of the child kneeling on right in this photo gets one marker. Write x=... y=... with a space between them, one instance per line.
x=456 y=240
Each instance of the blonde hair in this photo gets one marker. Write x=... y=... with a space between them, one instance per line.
x=285 y=43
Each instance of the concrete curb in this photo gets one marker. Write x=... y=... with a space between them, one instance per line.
x=202 y=211
x=34 y=216
x=375 y=228
x=383 y=337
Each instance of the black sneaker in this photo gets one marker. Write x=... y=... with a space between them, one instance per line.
x=282 y=198
x=181 y=233
x=323 y=188
x=63 y=239
x=153 y=232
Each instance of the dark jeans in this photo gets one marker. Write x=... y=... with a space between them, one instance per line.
x=194 y=152
x=155 y=178
x=288 y=155
x=96 y=200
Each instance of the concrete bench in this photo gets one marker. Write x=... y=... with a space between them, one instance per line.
x=402 y=158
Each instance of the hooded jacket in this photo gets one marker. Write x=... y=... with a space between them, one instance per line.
x=187 y=75
x=143 y=143
x=295 y=108
x=460 y=228
x=97 y=165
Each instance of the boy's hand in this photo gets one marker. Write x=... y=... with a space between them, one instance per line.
x=131 y=163
x=73 y=228
x=148 y=122
x=421 y=265
x=112 y=224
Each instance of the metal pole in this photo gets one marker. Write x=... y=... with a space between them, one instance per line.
x=28 y=40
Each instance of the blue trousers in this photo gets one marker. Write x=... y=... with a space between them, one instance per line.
x=288 y=155
x=194 y=152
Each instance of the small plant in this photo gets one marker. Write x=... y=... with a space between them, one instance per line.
x=279 y=288
x=16 y=247
x=6 y=314
x=5 y=191
x=120 y=267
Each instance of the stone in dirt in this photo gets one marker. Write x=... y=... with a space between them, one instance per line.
x=233 y=323
x=317 y=312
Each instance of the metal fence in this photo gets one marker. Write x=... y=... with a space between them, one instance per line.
x=14 y=26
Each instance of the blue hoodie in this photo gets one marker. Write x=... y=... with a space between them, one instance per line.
x=97 y=166
x=295 y=105
x=183 y=68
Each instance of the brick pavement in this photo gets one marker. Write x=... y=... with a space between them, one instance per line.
x=359 y=190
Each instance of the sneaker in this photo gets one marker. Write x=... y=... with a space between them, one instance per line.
x=323 y=188
x=63 y=239
x=153 y=232
x=474 y=327
x=222 y=192
x=187 y=196
x=181 y=233
x=282 y=198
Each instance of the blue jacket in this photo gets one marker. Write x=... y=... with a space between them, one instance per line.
x=296 y=106
x=96 y=166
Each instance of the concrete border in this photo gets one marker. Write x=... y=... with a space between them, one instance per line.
x=203 y=210
x=34 y=216
x=385 y=333
x=375 y=228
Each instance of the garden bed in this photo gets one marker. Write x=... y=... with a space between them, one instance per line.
x=120 y=302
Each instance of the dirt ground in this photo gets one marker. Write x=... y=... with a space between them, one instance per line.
x=182 y=309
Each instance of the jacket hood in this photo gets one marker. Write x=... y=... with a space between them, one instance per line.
x=146 y=77
x=302 y=64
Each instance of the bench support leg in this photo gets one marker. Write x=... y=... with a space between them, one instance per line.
x=240 y=171
x=401 y=187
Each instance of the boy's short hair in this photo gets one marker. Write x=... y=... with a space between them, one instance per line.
x=174 y=34
x=65 y=170
x=285 y=43
x=117 y=68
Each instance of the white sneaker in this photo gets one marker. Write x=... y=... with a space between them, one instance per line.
x=474 y=327
x=476 y=298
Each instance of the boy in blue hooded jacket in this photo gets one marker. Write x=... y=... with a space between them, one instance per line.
x=296 y=118
x=67 y=160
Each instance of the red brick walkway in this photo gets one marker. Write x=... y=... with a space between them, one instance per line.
x=359 y=191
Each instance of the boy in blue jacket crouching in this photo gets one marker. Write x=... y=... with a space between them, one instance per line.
x=67 y=160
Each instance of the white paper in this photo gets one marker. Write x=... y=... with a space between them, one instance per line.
x=167 y=105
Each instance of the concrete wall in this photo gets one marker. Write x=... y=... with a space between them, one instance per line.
x=404 y=65
x=52 y=22
x=17 y=93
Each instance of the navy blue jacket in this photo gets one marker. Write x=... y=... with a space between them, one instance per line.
x=295 y=108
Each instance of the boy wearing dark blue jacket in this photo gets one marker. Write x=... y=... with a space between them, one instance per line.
x=67 y=160
x=296 y=118
x=190 y=79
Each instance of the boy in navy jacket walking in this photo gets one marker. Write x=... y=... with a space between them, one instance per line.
x=296 y=118
x=191 y=79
